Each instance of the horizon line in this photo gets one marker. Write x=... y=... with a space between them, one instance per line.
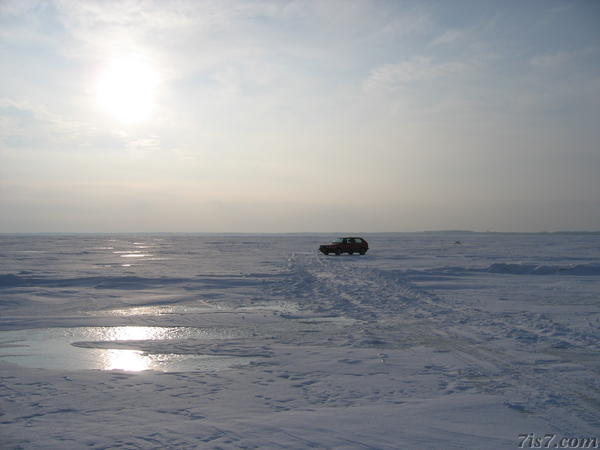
x=297 y=232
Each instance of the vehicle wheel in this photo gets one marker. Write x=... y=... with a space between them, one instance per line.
x=362 y=252
x=338 y=252
x=351 y=253
x=326 y=253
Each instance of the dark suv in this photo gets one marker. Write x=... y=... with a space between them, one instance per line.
x=348 y=245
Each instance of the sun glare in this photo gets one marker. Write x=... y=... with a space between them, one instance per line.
x=126 y=90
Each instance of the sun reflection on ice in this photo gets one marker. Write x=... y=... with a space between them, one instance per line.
x=133 y=333
x=128 y=360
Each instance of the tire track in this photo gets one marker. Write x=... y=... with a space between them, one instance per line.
x=499 y=350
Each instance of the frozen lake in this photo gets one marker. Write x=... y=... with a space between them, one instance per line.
x=440 y=339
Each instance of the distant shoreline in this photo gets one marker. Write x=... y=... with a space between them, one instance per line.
x=289 y=233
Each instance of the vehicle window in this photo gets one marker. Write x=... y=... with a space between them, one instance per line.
x=352 y=241
x=358 y=240
x=338 y=240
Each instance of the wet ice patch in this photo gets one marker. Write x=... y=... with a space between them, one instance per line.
x=129 y=348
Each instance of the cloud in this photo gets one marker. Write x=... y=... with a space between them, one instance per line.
x=23 y=124
x=33 y=127
x=143 y=145
x=449 y=37
x=391 y=77
x=18 y=7
x=100 y=28
x=551 y=60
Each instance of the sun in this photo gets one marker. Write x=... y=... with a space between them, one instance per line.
x=127 y=88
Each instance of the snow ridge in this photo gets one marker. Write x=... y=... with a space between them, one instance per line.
x=590 y=269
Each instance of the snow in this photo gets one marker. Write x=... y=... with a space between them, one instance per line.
x=431 y=340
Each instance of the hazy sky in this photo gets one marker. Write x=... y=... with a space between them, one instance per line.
x=299 y=115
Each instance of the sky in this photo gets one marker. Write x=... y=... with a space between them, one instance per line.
x=299 y=116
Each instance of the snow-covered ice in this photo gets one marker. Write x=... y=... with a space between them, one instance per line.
x=431 y=340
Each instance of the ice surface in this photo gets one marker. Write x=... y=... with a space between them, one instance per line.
x=431 y=340
x=110 y=348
